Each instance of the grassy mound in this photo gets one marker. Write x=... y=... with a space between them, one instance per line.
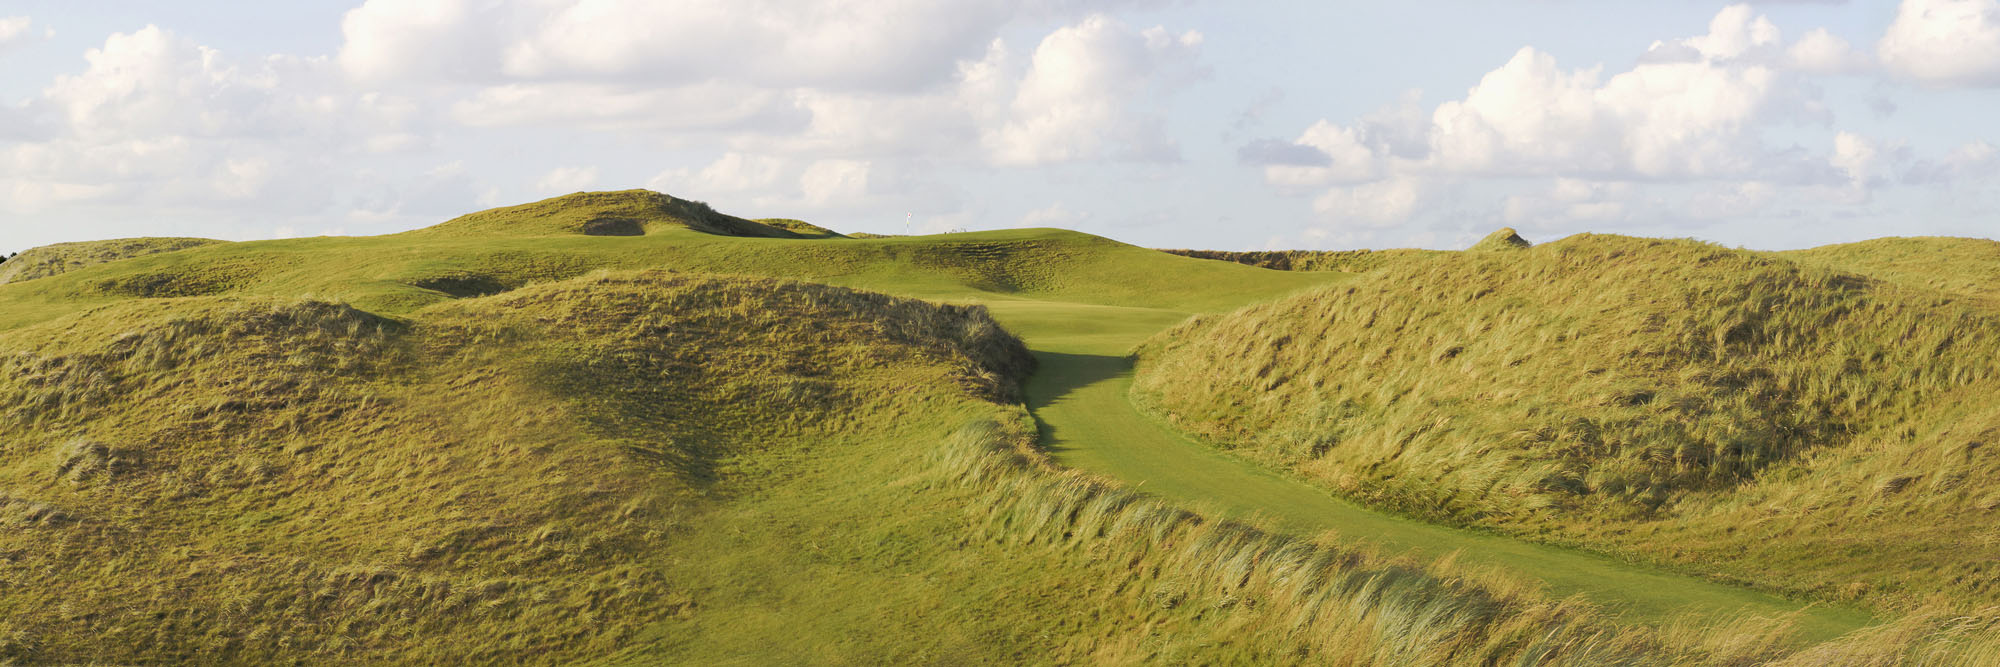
x=54 y=259
x=1970 y=267
x=1502 y=239
x=1607 y=391
x=249 y=480
x=624 y=213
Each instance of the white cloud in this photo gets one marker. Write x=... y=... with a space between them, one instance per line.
x=154 y=118
x=788 y=183
x=1945 y=42
x=1678 y=138
x=419 y=40
x=1080 y=99
x=568 y=179
x=1373 y=205
x=14 y=30
x=1658 y=120
x=830 y=182
x=1820 y=52
x=885 y=45
x=1347 y=159
x=1568 y=200
x=706 y=106
x=1735 y=32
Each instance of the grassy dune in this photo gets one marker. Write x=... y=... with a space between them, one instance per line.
x=53 y=259
x=1735 y=414
x=615 y=428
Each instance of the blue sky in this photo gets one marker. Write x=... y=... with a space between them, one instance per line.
x=1162 y=123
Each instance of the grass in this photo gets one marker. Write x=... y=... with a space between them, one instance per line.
x=527 y=435
x=1737 y=415
x=53 y=259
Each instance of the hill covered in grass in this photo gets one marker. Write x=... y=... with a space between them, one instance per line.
x=624 y=213
x=1970 y=267
x=244 y=479
x=1741 y=414
x=53 y=259
x=515 y=438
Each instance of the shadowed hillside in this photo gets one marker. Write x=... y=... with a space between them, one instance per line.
x=1722 y=410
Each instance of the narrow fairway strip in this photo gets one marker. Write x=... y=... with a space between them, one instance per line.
x=1079 y=396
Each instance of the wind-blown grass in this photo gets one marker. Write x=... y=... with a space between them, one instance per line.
x=1717 y=409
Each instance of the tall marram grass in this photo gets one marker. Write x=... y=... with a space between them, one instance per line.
x=1719 y=408
x=1332 y=604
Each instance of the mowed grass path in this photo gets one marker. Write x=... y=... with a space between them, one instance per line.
x=1080 y=397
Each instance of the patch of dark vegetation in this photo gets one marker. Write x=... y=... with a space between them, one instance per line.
x=1347 y=261
x=22 y=512
x=802 y=228
x=82 y=460
x=614 y=226
x=178 y=281
x=464 y=285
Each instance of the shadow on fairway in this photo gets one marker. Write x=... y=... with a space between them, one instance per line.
x=1059 y=374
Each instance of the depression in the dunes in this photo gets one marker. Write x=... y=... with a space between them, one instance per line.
x=978 y=332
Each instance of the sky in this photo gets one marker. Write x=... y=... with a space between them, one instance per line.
x=1164 y=123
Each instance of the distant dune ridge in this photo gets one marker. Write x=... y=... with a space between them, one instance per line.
x=50 y=260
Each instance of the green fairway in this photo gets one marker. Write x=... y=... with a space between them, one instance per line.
x=1079 y=395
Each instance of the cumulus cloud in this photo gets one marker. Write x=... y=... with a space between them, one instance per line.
x=1077 y=100
x=1374 y=205
x=1821 y=52
x=1944 y=42
x=1692 y=109
x=836 y=80
x=156 y=118
x=1679 y=137
x=789 y=183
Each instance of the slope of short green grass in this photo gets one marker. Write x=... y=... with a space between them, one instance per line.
x=53 y=259
x=1722 y=411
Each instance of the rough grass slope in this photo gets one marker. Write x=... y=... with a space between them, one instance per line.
x=1718 y=409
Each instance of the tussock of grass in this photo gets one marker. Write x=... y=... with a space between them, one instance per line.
x=1613 y=390
x=55 y=259
x=1504 y=238
x=1291 y=600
